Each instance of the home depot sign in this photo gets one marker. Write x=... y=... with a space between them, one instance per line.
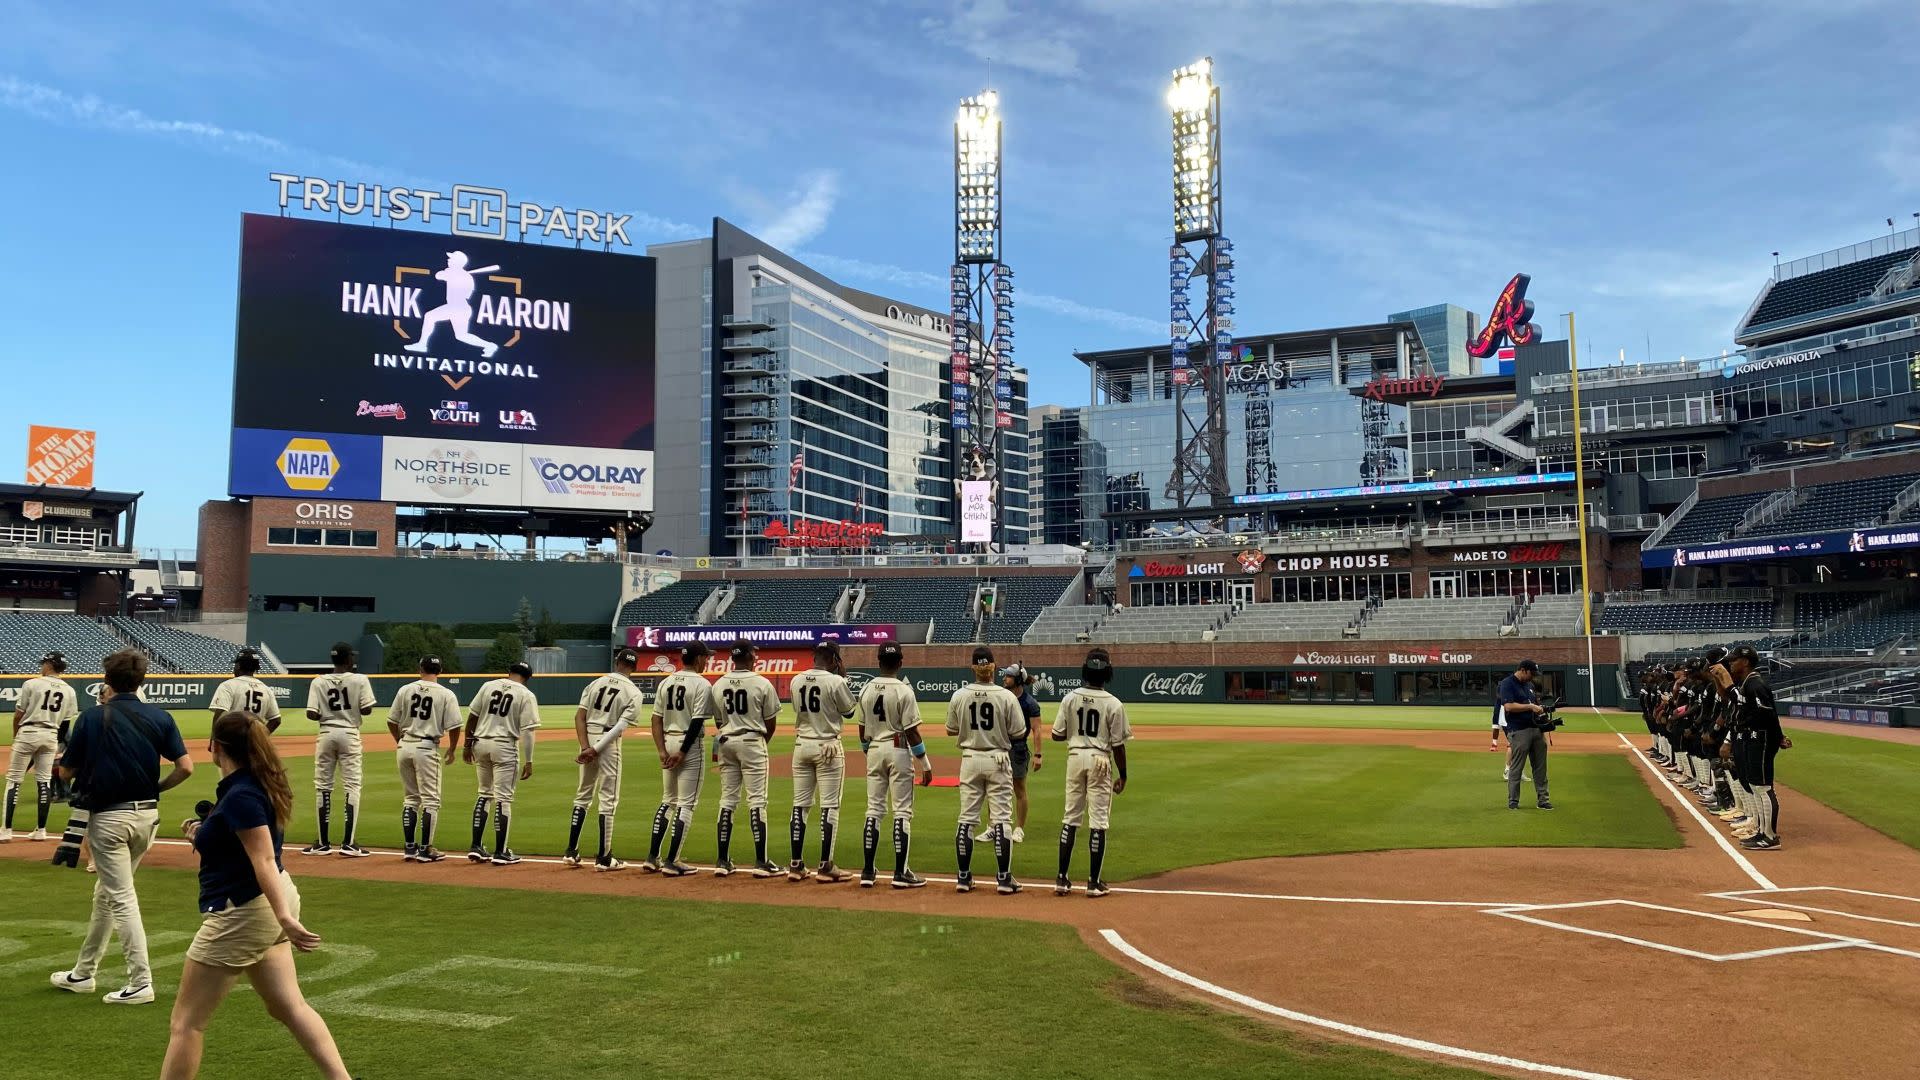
x=60 y=457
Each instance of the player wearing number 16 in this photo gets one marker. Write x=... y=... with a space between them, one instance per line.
x=1094 y=726
x=988 y=719
x=821 y=705
x=244 y=693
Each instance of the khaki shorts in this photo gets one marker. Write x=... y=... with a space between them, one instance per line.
x=241 y=937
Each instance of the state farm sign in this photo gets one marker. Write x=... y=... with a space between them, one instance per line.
x=1518 y=553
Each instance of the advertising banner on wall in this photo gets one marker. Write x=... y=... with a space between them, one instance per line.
x=59 y=457
x=719 y=637
x=411 y=337
x=304 y=463
x=1856 y=542
x=976 y=511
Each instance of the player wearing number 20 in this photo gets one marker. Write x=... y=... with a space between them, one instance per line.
x=500 y=726
x=338 y=701
x=821 y=705
x=1094 y=726
x=988 y=719
x=244 y=693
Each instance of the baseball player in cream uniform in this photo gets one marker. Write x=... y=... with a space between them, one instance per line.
x=244 y=693
x=500 y=726
x=747 y=707
x=890 y=735
x=1094 y=726
x=821 y=706
x=45 y=703
x=423 y=711
x=338 y=701
x=988 y=719
x=607 y=709
x=682 y=705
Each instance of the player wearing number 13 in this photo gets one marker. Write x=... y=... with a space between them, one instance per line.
x=244 y=693
x=988 y=719
x=46 y=704
x=1094 y=726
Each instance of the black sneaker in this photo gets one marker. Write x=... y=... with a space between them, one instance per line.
x=907 y=879
x=477 y=855
x=506 y=858
x=798 y=871
x=412 y=854
x=1513 y=804
x=1097 y=889
x=317 y=849
x=1544 y=805
x=723 y=868
x=355 y=851
x=866 y=879
x=429 y=854
x=1760 y=843
x=964 y=884
x=675 y=869
x=1006 y=886
x=1062 y=886
x=766 y=870
x=650 y=865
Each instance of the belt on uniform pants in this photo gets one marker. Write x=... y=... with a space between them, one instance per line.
x=138 y=804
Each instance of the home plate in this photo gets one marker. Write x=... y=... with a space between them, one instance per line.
x=1775 y=914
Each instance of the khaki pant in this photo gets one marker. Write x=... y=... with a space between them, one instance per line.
x=601 y=775
x=242 y=936
x=890 y=778
x=1089 y=788
x=819 y=767
x=420 y=775
x=497 y=761
x=336 y=753
x=33 y=748
x=119 y=839
x=743 y=762
x=680 y=788
x=986 y=776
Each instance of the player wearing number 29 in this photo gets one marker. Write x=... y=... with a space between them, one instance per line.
x=821 y=705
x=45 y=704
x=1094 y=726
x=682 y=705
x=244 y=693
x=338 y=701
x=747 y=707
x=422 y=711
x=500 y=726
x=890 y=735
x=988 y=719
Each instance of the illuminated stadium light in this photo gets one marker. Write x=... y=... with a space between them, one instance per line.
x=1195 y=102
x=976 y=179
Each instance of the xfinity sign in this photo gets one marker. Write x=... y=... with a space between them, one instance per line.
x=486 y=213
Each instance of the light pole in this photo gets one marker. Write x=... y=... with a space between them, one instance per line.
x=981 y=325
x=1200 y=444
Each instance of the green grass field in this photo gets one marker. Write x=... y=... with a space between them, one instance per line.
x=578 y=986
x=1875 y=782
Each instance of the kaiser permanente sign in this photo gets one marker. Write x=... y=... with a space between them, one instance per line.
x=1856 y=542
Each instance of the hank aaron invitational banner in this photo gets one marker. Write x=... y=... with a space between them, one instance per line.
x=792 y=637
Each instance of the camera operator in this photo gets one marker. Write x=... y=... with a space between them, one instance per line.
x=1523 y=715
x=113 y=759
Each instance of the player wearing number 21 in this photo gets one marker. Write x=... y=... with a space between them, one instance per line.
x=1094 y=726
x=244 y=693
x=988 y=719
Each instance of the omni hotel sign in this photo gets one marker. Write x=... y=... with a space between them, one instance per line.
x=485 y=213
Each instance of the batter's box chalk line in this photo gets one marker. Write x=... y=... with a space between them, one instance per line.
x=1821 y=941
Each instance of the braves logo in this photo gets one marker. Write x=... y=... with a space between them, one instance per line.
x=1252 y=559
x=1511 y=321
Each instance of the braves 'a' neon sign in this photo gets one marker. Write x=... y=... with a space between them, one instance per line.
x=1512 y=320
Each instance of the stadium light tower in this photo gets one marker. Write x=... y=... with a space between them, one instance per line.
x=981 y=327
x=1200 y=442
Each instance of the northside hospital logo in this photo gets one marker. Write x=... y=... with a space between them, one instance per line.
x=481 y=311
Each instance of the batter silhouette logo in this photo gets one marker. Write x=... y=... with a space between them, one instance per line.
x=482 y=310
x=1511 y=321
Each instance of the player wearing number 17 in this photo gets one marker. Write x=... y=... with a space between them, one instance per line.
x=1094 y=726
x=244 y=693
x=988 y=719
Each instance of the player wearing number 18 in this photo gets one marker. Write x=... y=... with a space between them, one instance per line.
x=988 y=719
x=682 y=705
x=1093 y=724
x=244 y=693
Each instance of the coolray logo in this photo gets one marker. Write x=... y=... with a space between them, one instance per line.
x=1428 y=386
x=1187 y=684
x=308 y=465
x=456 y=413
x=1511 y=321
x=559 y=477
x=383 y=412
x=518 y=420
x=1251 y=560
x=481 y=212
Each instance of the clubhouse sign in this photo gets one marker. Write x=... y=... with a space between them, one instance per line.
x=1855 y=542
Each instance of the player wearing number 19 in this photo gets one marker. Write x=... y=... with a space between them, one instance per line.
x=988 y=719
x=747 y=707
x=500 y=726
x=244 y=693
x=338 y=701
x=1094 y=726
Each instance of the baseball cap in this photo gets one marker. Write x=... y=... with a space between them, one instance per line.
x=1011 y=671
x=430 y=664
x=520 y=668
x=342 y=653
x=982 y=654
x=55 y=658
x=1528 y=665
x=1745 y=652
x=628 y=657
x=694 y=651
x=891 y=653
x=744 y=652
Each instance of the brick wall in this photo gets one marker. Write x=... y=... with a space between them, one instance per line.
x=223 y=556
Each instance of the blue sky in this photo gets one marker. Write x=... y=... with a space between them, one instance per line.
x=1640 y=158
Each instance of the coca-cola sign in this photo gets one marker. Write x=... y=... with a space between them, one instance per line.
x=1186 y=684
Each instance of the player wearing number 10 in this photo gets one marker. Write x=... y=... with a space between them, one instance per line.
x=244 y=693
x=1094 y=726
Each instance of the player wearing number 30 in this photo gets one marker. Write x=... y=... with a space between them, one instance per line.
x=244 y=693
x=338 y=701
x=821 y=705
x=1094 y=726
x=988 y=719
x=422 y=712
x=747 y=706
x=500 y=726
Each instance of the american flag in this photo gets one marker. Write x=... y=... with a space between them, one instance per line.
x=794 y=470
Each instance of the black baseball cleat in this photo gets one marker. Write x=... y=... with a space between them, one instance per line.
x=907 y=879
x=676 y=869
x=412 y=854
x=317 y=849
x=1513 y=804
x=506 y=858
x=1760 y=843
x=355 y=851
x=1006 y=886
x=723 y=868
x=766 y=870
x=1062 y=886
x=798 y=871
x=571 y=859
x=866 y=879
x=964 y=883
x=829 y=874
x=1544 y=805
x=429 y=854
x=477 y=855
x=1097 y=889
x=650 y=865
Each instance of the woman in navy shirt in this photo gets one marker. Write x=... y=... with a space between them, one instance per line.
x=250 y=910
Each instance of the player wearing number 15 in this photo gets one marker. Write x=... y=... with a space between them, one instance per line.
x=988 y=719
x=244 y=693
x=1093 y=724
x=338 y=701
x=422 y=712
x=747 y=707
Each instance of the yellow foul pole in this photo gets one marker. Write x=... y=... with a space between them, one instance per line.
x=1580 y=505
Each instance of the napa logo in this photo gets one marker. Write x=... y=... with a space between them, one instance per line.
x=308 y=465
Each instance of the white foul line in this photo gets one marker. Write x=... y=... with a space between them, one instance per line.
x=1687 y=804
x=1405 y=1042
x=1827 y=941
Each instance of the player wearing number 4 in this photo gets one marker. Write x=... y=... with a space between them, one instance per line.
x=338 y=702
x=500 y=726
x=244 y=693
x=747 y=706
x=1093 y=724
x=890 y=735
x=821 y=705
x=988 y=719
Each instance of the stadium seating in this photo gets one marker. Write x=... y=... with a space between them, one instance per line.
x=673 y=605
x=1433 y=618
x=1862 y=635
x=180 y=650
x=1063 y=624
x=1838 y=287
x=1318 y=621
x=1811 y=610
x=26 y=636
x=1022 y=599
x=1750 y=616
x=1556 y=615
x=1148 y=624
x=771 y=601
x=1849 y=504
x=906 y=602
x=1711 y=519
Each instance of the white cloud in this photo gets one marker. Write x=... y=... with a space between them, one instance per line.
x=1086 y=313
x=800 y=216
x=870 y=273
x=988 y=30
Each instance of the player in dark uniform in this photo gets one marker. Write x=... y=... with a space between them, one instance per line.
x=1649 y=702
x=1714 y=724
x=1765 y=739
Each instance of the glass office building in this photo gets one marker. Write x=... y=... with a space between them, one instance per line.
x=1444 y=331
